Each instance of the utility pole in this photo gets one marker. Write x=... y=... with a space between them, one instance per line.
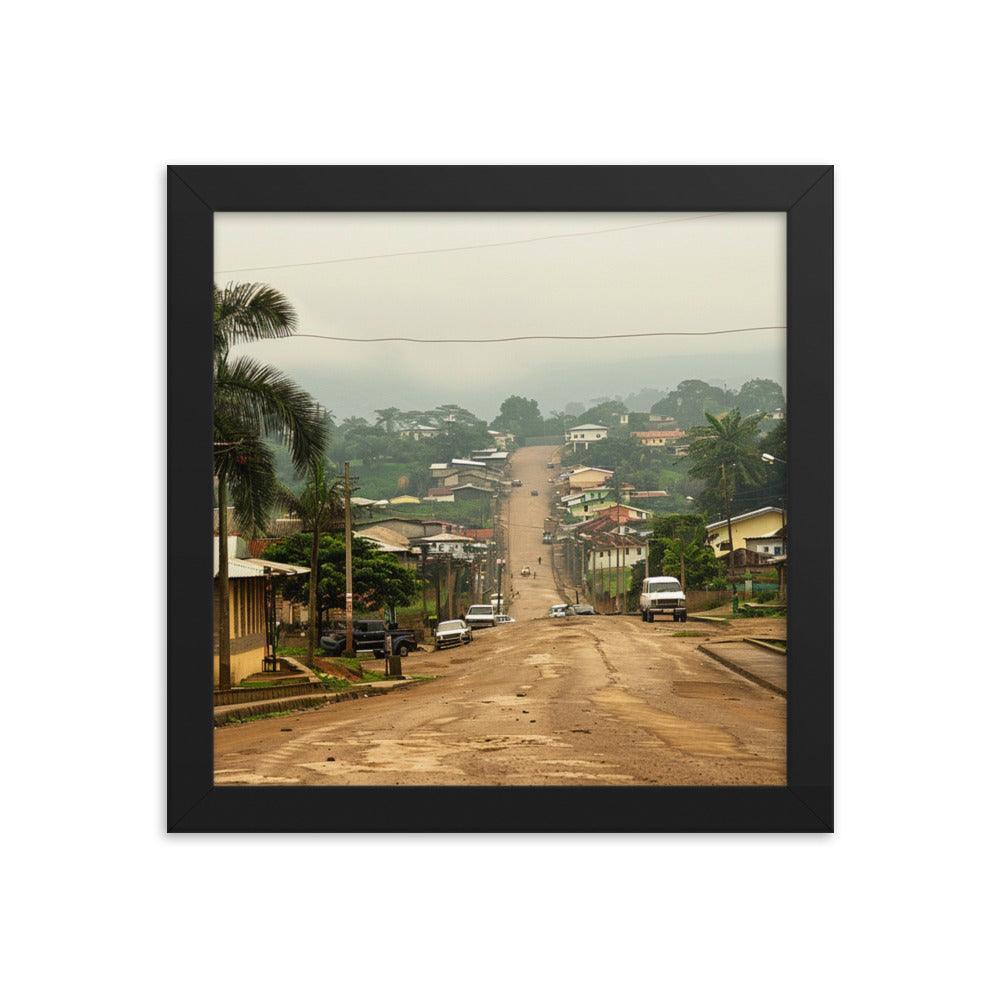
x=348 y=575
x=729 y=523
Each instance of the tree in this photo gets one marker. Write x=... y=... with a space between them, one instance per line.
x=378 y=579
x=251 y=401
x=320 y=506
x=388 y=419
x=519 y=416
x=726 y=455
x=691 y=400
x=760 y=395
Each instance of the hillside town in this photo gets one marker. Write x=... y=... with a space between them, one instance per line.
x=430 y=554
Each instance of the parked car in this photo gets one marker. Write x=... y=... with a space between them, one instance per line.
x=583 y=609
x=516 y=482
x=369 y=634
x=534 y=493
x=504 y=620
x=558 y=611
x=480 y=616
x=452 y=633
x=525 y=571
x=546 y=537
x=662 y=595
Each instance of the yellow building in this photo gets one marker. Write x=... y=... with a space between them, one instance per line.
x=587 y=478
x=752 y=524
x=247 y=618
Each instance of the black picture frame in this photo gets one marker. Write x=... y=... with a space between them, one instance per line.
x=805 y=193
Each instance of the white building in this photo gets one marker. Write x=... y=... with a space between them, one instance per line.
x=585 y=435
x=419 y=432
x=628 y=553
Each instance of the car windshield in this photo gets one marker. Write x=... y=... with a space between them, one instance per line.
x=480 y=609
x=444 y=626
x=664 y=587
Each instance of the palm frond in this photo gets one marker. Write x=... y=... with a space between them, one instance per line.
x=250 y=311
x=253 y=394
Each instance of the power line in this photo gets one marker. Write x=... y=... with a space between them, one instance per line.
x=541 y=336
x=461 y=249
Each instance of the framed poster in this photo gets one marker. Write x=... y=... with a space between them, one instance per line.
x=479 y=493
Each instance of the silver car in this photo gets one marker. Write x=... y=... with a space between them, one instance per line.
x=452 y=633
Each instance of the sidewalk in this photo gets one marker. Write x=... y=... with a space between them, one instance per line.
x=302 y=700
x=755 y=662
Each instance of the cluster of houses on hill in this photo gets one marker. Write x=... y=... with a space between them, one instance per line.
x=665 y=434
x=605 y=528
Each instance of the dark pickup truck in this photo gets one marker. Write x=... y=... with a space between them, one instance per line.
x=369 y=635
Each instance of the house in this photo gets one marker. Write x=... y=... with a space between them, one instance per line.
x=404 y=499
x=419 y=432
x=447 y=544
x=439 y=470
x=393 y=542
x=411 y=527
x=662 y=421
x=587 y=503
x=479 y=534
x=585 y=435
x=502 y=439
x=587 y=477
x=608 y=553
x=657 y=439
x=752 y=524
x=633 y=494
x=467 y=491
x=622 y=513
x=772 y=544
x=249 y=580
x=439 y=494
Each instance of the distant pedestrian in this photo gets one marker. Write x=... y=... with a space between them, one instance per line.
x=539 y=560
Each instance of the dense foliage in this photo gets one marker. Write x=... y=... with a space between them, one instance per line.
x=379 y=581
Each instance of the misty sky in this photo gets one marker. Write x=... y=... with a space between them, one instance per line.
x=720 y=272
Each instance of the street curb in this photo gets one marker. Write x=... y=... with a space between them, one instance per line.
x=742 y=671
x=769 y=646
x=233 y=713
x=708 y=619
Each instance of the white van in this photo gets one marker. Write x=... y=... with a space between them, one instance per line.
x=662 y=595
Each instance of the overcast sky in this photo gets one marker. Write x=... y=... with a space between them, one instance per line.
x=689 y=273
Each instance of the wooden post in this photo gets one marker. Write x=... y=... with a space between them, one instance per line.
x=348 y=575
x=225 y=665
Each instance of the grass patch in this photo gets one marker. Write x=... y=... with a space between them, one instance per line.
x=687 y=634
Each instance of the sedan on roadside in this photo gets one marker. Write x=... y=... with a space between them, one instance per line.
x=452 y=633
x=583 y=609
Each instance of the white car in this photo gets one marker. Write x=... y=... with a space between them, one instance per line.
x=480 y=616
x=558 y=611
x=452 y=633
x=662 y=595
x=505 y=620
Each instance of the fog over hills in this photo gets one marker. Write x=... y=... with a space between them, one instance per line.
x=480 y=276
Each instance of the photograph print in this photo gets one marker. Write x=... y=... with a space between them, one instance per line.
x=500 y=498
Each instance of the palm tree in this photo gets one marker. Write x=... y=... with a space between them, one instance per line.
x=726 y=455
x=250 y=401
x=320 y=506
x=388 y=418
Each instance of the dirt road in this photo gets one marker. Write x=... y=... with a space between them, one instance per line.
x=585 y=700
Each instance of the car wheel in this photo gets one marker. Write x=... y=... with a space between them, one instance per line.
x=403 y=650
